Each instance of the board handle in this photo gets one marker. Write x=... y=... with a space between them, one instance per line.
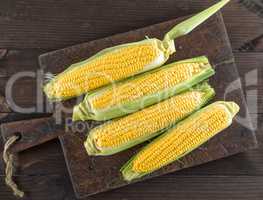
x=31 y=132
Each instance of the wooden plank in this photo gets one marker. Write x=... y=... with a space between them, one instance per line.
x=21 y=68
x=41 y=131
x=56 y=187
x=242 y=25
x=14 y=61
x=11 y=116
x=34 y=24
x=23 y=93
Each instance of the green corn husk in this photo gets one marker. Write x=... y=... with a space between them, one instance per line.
x=180 y=140
x=86 y=76
x=124 y=133
x=138 y=98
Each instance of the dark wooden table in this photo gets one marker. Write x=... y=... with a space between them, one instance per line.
x=29 y=28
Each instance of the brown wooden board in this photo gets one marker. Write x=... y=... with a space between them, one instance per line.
x=91 y=175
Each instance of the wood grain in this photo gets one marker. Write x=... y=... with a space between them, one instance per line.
x=37 y=24
x=181 y=187
x=11 y=116
x=41 y=131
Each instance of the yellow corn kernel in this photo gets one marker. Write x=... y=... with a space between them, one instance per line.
x=128 y=131
x=143 y=90
x=147 y=85
x=147 y=121
x=182 y=139
x=104 y=69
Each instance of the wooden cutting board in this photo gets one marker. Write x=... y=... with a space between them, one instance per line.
x=92 y=175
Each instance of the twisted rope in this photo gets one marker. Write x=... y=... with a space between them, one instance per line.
x=9 y=160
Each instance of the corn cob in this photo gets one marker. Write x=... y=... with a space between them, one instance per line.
x=143 y=90
x=123 y=133
x=186 y=136
x=122 y=61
